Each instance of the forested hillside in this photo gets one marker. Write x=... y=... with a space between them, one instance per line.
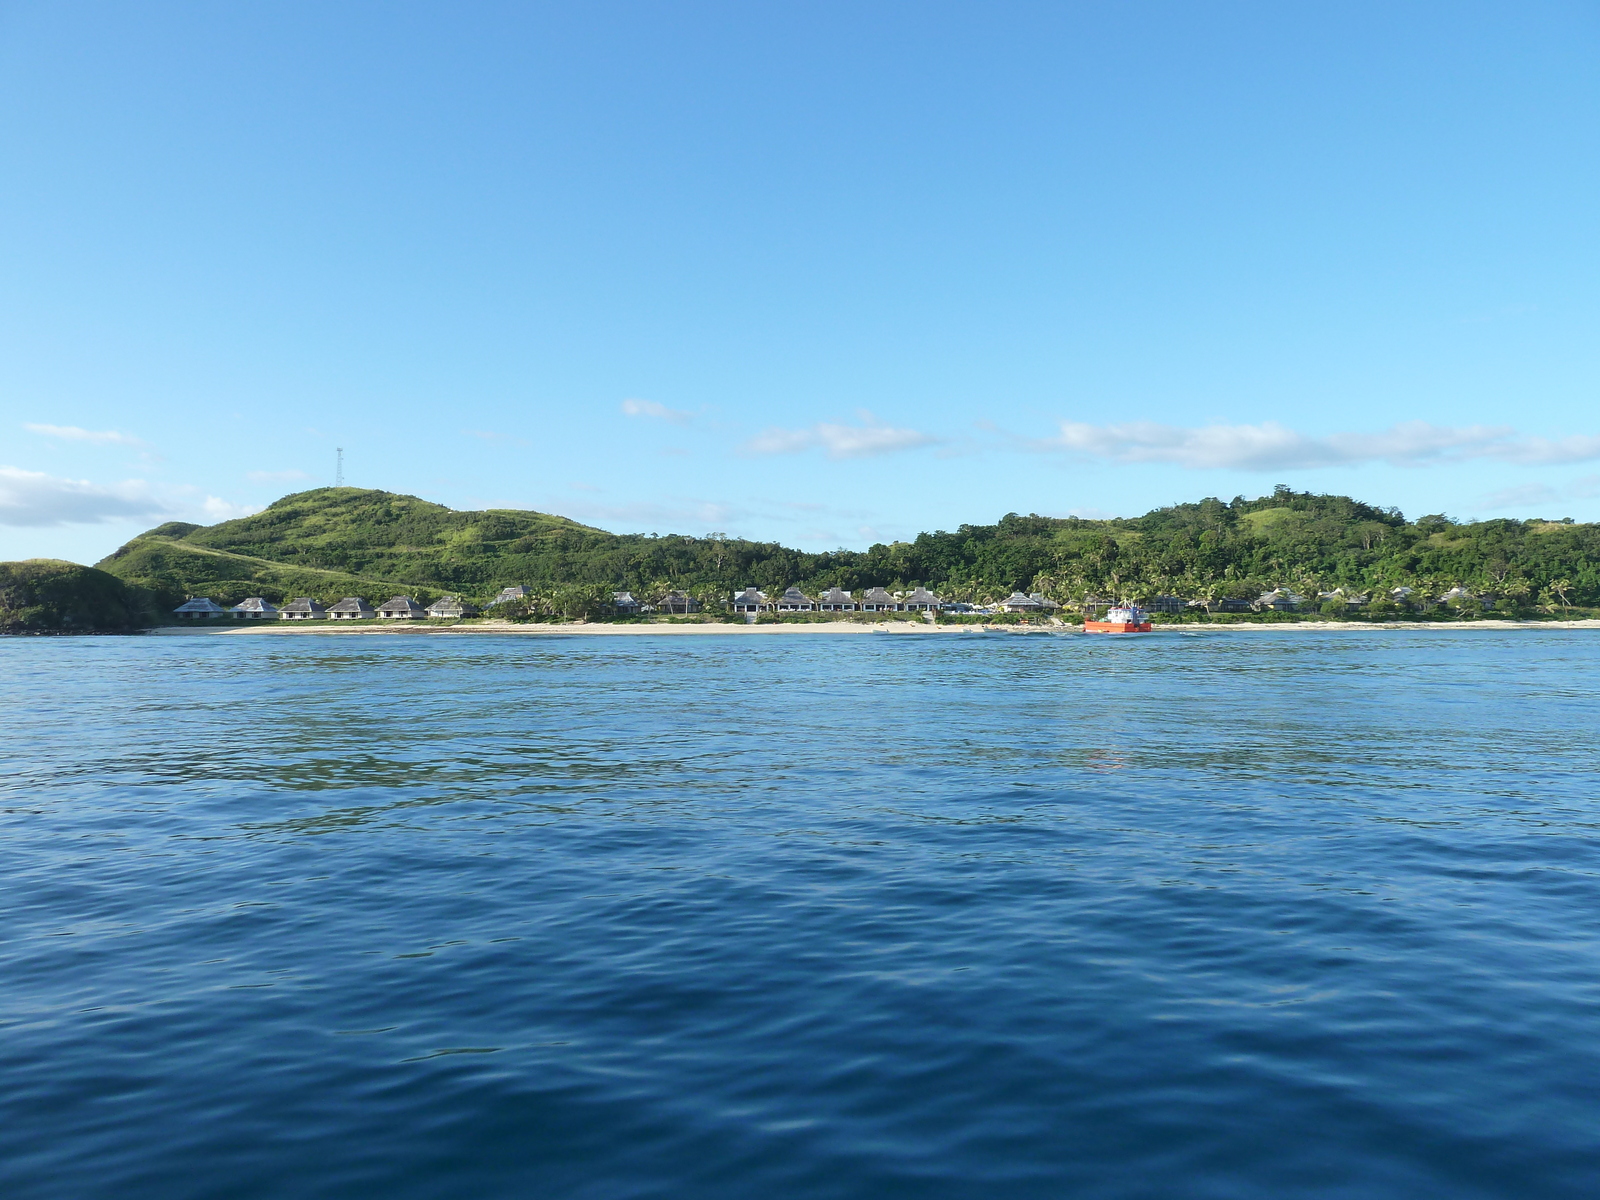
x=334 y=542
x=45 y=595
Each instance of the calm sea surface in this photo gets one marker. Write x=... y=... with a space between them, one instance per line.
x=1234 y=915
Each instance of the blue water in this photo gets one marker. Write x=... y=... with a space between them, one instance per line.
x=1236 y=915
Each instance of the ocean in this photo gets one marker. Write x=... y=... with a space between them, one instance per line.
x=1235 y=914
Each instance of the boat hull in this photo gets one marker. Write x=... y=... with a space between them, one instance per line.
x=1116 y=626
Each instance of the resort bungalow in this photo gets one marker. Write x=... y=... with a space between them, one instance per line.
x=1401 y=594
x=302 y=609
x=751 y=600
x=922 y=600
x=351 y=608
x=1343 y=595
x=452 y=608
x=878 y=600
x=200 y=606
x=1457 y=593
x=836 y=600
x=255 y=608
x=794 y=600
x=1018 y=603
x=1166 y=604
x=402 y=608
x=679 y=602
x=1280 y=600
x=518 y=592
x=624 y=605
x=1044 y=602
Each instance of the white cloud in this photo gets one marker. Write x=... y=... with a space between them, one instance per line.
x=839 y=441
x=1574 y=448
x=660 y=412
x=32 y=498
x=1270 y=446
x=288 y=476
x=72 y=433
x=1526 y=496
x=219 y=509
x=1520 y=497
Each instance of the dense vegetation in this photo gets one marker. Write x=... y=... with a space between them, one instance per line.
x=44 y=595
x=335 y=542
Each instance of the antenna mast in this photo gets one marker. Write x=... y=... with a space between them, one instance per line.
x=338 y=471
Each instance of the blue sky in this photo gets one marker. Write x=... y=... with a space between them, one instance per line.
x=824 y=273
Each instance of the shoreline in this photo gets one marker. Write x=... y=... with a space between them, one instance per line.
x=602 y=629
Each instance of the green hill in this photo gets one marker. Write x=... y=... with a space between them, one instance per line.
x=335 y=542
x=43 y=595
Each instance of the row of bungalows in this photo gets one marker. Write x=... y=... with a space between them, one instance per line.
x=351 y=608
x=876 y=599
x=623 y=604
x=835 y=599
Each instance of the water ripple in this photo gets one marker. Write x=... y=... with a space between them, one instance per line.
x=1240 y=915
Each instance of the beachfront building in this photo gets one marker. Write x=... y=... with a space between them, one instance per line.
x=1340 y=594
x=1019 y=603
x=624 y=605
x=351 y=608
x=402 y=608
x=1401 y=594
x=1280 y=600
x=1166 y=604
x=452 y=608
x=303 y=608
x=922 y=600
x=255 y=608
x=515 y=592
x=751 y=600
x=199 y=607
x=678 y=602
x=794 y=600
x=1457 y=593
x=878 y=600
x=836 y=600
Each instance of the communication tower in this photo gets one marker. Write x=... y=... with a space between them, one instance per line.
x=338 y=471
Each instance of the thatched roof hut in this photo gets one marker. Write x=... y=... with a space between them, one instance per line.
x=200 y=606
x=922 y=600
x=878 y=600
x=794 y=600
x=836 y=600
x=255 y=607
x=452 y=607
x=351 y=608
x=402 y=608
x=303 y=608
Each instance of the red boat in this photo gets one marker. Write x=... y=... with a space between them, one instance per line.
x=1122 y=619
